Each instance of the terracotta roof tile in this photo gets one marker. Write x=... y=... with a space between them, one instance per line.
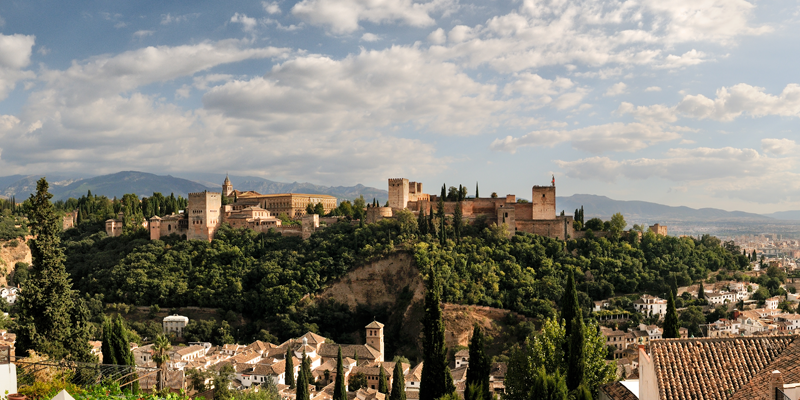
x=617 y=391
x=722 y=368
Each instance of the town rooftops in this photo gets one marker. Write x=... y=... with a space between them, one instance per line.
x=189 y=350
x=617 y=391
x=723 y=368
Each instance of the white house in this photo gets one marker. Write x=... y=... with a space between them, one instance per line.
x=772 y=303
x=9 y=294
x=175 y=323
x=651 y=306
x=720 y=298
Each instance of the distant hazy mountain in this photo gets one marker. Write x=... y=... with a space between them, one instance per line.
x=266 y=186
x=793 y=215
x=144 y=184
x=140 y=183
x=604 y=207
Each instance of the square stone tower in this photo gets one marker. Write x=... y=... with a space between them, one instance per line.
x=204 y=215
x=375 y=337
x=398 y=193
x=543 y=201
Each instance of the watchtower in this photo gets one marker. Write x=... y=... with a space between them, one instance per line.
x=543 y=202
x=398 y=193
x=375 y=337
x=155 y=227
x=204 y=215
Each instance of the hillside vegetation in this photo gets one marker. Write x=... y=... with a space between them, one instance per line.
x=268 y=278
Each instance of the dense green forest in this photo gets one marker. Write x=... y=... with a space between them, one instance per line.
x=264 y=275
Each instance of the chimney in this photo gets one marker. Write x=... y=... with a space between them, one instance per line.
x=775 y=382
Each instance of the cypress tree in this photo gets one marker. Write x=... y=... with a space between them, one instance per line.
x=302 y=382
x=383 y=384
x=431 y=226
x=440 y=215
x=422 y=222
x=51 y=319
x=476 y=196
x=290 y=368
x=457 y=221
x=479 y=367
x=671 y=320
x=583 y=393
x=576 y=362
x=398 y=383
x=307 y=370
x=569 y=304
x=548 y=387
x=436 y=380
x=339 y=391
x=701 y=293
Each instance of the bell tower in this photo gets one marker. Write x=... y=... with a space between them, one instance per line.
x=227 y=187
x=375 y=337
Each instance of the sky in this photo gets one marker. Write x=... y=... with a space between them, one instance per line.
x=680 y=102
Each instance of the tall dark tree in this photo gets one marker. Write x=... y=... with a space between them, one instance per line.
x=701 y=293
x=548 y=387
x=576 y=360
x=457 y=221
x=50 y=318
x=307 y=370
x=398 y=383
x=339 y=391
x=476 y=190
x=431 y=226
x=383 y=384
x=116 y=347
x=290 y=369
x=440 y=214
x=422 y=222
x=671 y=320
x=302 y=382
x=570 y=308
x=436 y=380
x=479 y=366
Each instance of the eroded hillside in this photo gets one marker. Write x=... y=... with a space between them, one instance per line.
x=394 y=282
x=12 y=252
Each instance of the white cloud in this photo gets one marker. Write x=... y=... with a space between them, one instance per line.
x=142 y=33
x=780 y=146
x=168 y=18
x=655 y=114
x=616 y=89
x=740 y=99
x=120 y=24
x=370 y=37
x=15 y=55
x=699 y=164
x=653 y=89
x=593 y=139
x=248 y=23
x=372 y=89
x=691 y=57
x=599 y=34
x=537 y=90
x=271 y=8
x=571 y=99
x=343 y=16
x=437 y=37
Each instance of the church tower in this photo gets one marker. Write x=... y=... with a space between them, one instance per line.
x=375 y=337
x=227 y=188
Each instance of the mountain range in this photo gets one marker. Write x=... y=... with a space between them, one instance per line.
x=144 y=184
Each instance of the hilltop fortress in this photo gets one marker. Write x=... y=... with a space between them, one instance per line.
x=537 y=216
x=205 y=213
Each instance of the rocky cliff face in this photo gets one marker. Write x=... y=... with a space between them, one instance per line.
x=12 y=252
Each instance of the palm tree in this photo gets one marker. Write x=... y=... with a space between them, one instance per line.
x=161 y=348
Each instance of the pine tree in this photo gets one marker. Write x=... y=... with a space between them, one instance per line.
x=290 y=369
x=398 y=383
x=671 y=320
x=339 y=391
x=479 y=367
x=383 y=384
x=576 y=362
x=50 y=319
x=436 y=380
x=701 y=293
x=302 y=382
